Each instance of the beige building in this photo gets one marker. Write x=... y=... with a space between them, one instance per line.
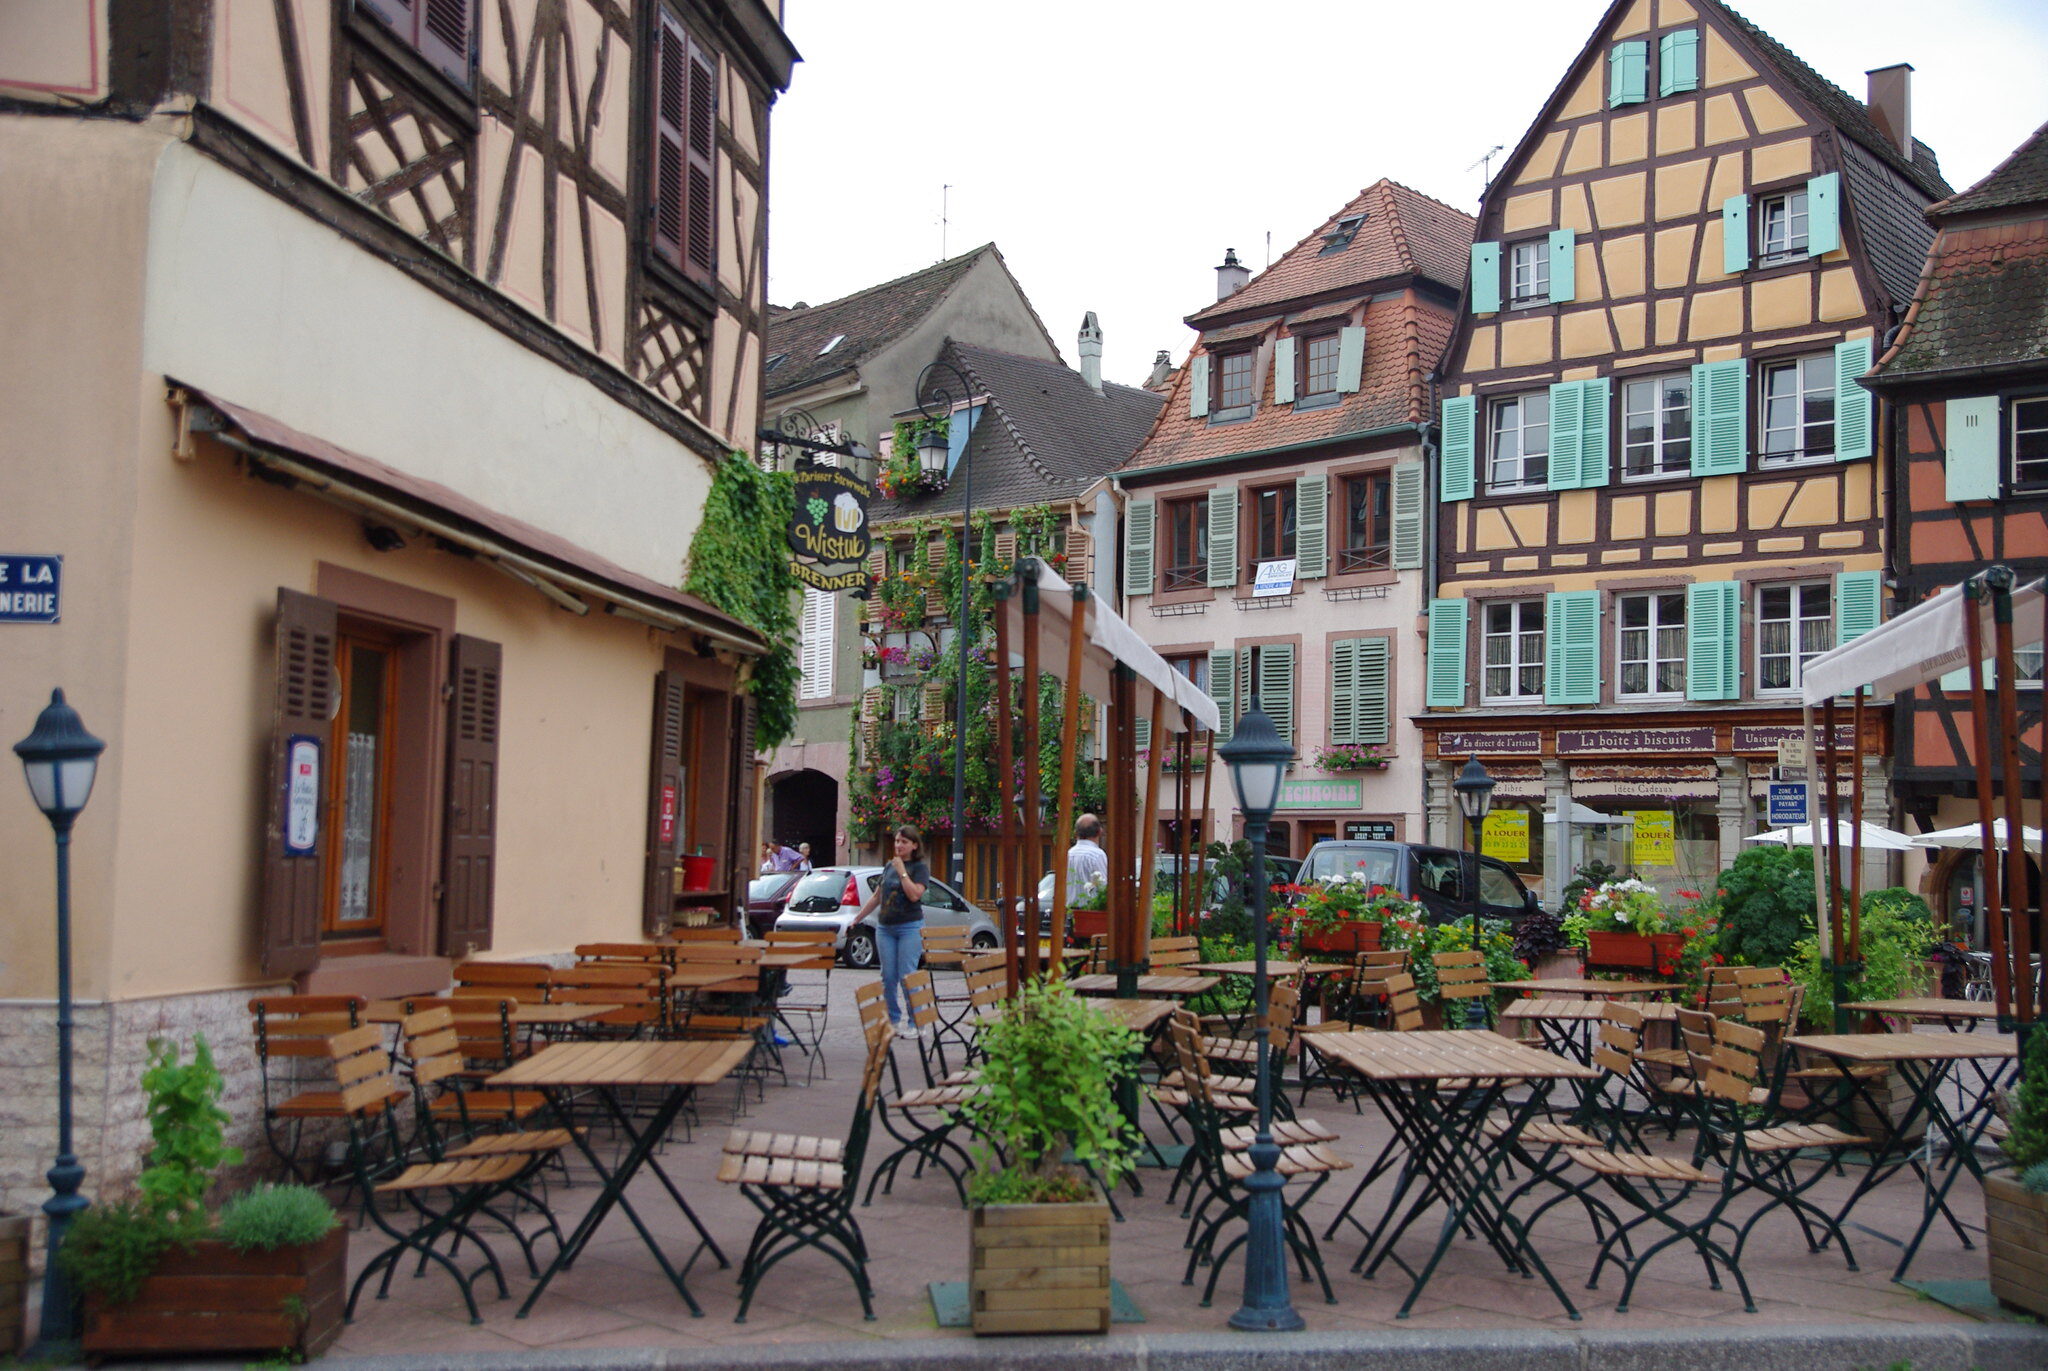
x=370 y=379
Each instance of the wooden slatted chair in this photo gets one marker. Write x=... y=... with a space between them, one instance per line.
x=1240 y=1056
x=469 y=1183
x=1166 y=953
x=489 y=1040
x=804 y=1187
x=638 y=989
x=528 y=981
x=291 y=1033
x=732 y=1010
x=1461 y=976
x=443 y=1072
x=806 y=999
x=923 y=1118
x=1360 y=1002
x=707 y=933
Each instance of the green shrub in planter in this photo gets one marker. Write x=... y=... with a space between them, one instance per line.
x=1764 y=904
x=273 y=1216
x=2026 y=1142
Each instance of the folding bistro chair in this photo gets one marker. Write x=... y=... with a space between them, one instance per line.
x=805 y=1003
x=291 y=1033
x=1358 y=1001
x=732 y=1010
x=527 y=981
x=1166 y=953
x=1461 y=976
x=922 y=1119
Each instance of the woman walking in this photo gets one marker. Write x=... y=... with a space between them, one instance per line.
x=899 y=928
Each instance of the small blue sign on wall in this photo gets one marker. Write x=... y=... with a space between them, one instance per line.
x=29 y=588
x=1787 y=803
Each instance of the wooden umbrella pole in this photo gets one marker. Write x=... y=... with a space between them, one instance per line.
x=2015 y=858
x=1121 y=816
x=1184 y=794
x=1856 y=839
x=1034 y=823
x=1009 y=862
x=1201 y=829
x=1070 y=731
x=1831 y=757
x=1155 y=762
x=1980 y=739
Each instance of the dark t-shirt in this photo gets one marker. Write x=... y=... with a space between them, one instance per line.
x=897 y=907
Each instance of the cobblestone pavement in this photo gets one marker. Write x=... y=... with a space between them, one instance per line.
x=616 y=1297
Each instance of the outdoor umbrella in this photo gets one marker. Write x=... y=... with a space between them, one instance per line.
x=1971 y=836
x=1875 y=837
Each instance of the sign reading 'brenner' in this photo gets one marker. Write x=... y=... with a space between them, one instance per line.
x=30 y=588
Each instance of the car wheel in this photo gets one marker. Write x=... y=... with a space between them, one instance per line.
x=984 y=941
x=860 y=949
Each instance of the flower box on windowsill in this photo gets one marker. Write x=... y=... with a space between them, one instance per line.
x=1353 y=936
x=1633 y=951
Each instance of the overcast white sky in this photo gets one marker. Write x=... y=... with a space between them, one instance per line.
x=1114 y=148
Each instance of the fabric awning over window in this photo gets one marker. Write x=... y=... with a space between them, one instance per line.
x=1921 y=645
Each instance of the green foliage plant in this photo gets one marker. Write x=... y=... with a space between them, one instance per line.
x=1765 y=903
x=272 y=1216
x=1895 y=946
x=739 y=563
x=1591 y=876
x=2026 y=1142
x=1048 y=1089
x=113 y=1247
x=1423 y=940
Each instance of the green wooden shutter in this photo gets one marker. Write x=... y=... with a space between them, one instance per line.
x=1571 y=647
x=1276 y=686
x=1311 y=527
x=1350 y=359
x=1460 y=421
x=1372 y=712
x=1283 y=372
x=1971 y=426
x=1223 y=689
x=1344 y=690
x=1564 y=266
x=1198 y=385
x=1735 y=234
x=1223 y=537
x=1720 y=417
x=1486 y=278
x=1678 y=61
x=1408 y=502
x=1713 y=627
x=1594 y=398
x=1858 y=596
x=1823 y=214
x=1445 y=665
x=1566 y=435
x=1628 y=65
x=1138 y=534
x=1855 y=423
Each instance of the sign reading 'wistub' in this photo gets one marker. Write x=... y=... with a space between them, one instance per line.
x=830 y=524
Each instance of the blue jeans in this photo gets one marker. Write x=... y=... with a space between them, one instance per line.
x=901 y=948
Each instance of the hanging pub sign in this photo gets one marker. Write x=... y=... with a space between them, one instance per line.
x=830 y=525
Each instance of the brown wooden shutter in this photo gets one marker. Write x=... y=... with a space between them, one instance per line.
x=700 y=259
x=445 y=29
x=667 y=208
x=664 y=803
x=470 y=833
x=293 y=890
x=745 y=841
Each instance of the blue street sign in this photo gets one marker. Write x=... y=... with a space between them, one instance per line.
x=29 y=588
x=1787 y=803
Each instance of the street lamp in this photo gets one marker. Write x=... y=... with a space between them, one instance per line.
x=1258 y=758
x=939 y=387
x=1475 y=797
x=60 y=759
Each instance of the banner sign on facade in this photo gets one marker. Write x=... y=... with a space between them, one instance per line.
x=830 y=523
x=1274 y=578
x=1505 y=836
x=1655 y=841
x=1369 y=831
x=810 y=575
x=1322 y=794
x=30 y=587
x=1523 y=743
x=1640 y=740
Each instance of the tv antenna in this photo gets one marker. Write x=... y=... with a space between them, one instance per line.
x=1486 y=162
x=944 y=193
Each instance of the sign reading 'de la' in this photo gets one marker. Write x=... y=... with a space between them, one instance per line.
x=1274 y=578
x=30 y=587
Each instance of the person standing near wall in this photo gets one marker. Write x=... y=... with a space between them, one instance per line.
x=899 y=927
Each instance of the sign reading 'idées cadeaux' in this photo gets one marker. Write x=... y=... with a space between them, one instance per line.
x=30 y=588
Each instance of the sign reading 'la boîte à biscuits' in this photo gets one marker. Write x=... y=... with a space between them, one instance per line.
x=1641 y=740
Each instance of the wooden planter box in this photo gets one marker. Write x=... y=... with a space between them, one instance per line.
x=2016 y=1243
x=14 y=1236
x=1357 y=936
x=1632 y=951
x=1565 y=965
x=1040 y=1268
x=211 y=1298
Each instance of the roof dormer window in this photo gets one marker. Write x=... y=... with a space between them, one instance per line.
x=1341 y=233
x=837 y=339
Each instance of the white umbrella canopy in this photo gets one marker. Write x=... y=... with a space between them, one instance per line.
x=1971 y=836
x=1876 y=838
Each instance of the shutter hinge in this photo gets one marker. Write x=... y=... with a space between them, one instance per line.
x=440 y=892
x=447 y=691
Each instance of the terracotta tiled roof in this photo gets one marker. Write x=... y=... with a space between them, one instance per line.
x=2021 y=179
x=1405 y=233
x=864 y=321
x=1982 y=304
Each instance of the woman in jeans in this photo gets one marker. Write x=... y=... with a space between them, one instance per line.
x=899 y=928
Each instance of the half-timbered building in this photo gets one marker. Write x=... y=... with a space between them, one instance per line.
x=1967 y=378
x=369 y=364
x=1662 y=483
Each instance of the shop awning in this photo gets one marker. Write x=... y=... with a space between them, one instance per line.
x=1921 y=645
x=565 y=573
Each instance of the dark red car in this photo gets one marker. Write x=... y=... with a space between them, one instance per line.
x=766 y=895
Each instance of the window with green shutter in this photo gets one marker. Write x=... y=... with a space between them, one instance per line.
x=1571 y=648
x=1720 y=398
x=1460 y=422
x=1273 y=672
x=1578 y=433
x=1855 y=419
x=1486 y=278
x=1283 y=371
x=1713 y=649
x=1859 y=599
x=1350 y=359
x=1823 y=214
x=1223 y=689
x=1138 y=544
x=1409 y=510
x=1198 y=386
x=1970 y=432
x=1311 y=527
x=1359 y=709
x=1223 y=537
x=1735 y=234
x=1564 y=266
x=1444 y=666
x=1628 y=64
x=1678 y=62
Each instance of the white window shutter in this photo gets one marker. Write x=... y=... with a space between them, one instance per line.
x=1198 y=386
x=1283 y=372
x=1350 y=360
x=815 y=634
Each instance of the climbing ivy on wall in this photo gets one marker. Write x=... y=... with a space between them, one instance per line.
x=739 y=563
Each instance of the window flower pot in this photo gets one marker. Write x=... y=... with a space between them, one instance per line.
x=210 y=1298
x=1633 y=951
x=1039 y=1268
x=1352 y=936
x=2016 y=1243
x=1083 y=924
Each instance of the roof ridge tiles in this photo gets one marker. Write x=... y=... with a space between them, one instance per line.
x=795 y=313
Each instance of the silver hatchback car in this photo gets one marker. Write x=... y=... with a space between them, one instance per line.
x=831 y=897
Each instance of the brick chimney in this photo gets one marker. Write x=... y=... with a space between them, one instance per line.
x=1231 y=276
x=1891 y=104
x=1090 y=348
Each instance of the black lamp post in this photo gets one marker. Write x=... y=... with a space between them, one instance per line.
x=1475 y=798
x=60 y=759
x=939 y=387
x=1258 y=758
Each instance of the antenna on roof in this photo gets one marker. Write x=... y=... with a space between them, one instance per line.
x=1487 y=163
x=943 y=193
x=1269 y=247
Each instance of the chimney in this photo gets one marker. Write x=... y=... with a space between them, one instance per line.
x=1231 y=276
x=1162 y=371
x=1091 y=352
x=1891 y=105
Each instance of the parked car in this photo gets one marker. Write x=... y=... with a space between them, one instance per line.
x=1448 y=884
x=1279 y=871
x=766 y=896
x=831 y=897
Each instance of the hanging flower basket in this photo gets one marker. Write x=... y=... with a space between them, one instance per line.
x=1350 y=757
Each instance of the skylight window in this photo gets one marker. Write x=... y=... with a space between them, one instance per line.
x=773 y=362
x=1341 y=233
x=837 y=339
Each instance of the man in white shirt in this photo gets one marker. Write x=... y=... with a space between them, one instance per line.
x=1087 y=863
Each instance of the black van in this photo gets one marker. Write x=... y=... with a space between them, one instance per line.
x=1448 y=883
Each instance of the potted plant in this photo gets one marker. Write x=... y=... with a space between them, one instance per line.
x=158 y=1278
x=1049 y=1083
x=1088 y=912
x=1345 y=914
x=1351 y=757
x=2016 y=1205
x=1894 y=944
x=1423 y=941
